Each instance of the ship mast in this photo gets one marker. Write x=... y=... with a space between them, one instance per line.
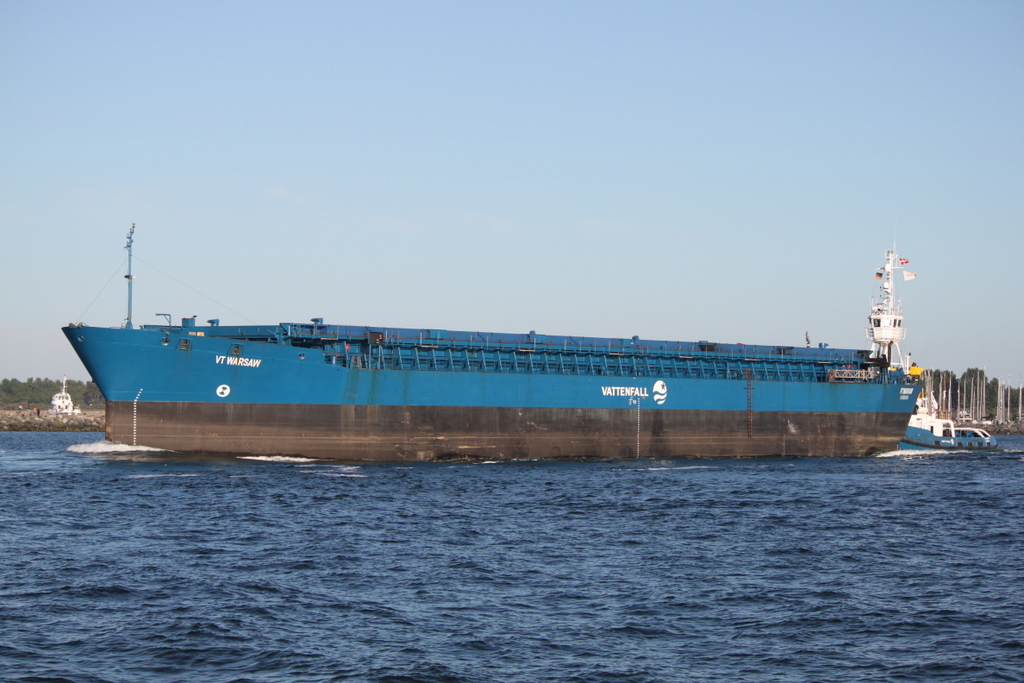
x=128 y=246
x=885 y=330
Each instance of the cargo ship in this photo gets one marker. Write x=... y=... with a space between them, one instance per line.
x=358 y=393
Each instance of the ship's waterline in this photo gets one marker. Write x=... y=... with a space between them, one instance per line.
x=424 y=433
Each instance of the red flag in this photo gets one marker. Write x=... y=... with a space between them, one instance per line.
x=904 y=261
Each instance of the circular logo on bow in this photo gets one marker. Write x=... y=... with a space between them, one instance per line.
x=660 y=392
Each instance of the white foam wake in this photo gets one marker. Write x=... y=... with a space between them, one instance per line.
x=109 y=447
x=342 y=471
x=684 y=467
x=912 y=453
x=276 y=458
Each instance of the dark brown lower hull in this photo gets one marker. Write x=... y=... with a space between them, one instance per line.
x=414 y=433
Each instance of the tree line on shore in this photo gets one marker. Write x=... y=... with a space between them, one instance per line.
x=973 y=396
x=36 y=392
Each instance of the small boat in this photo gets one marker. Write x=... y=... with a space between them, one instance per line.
x=928 y=430
x=61 y=403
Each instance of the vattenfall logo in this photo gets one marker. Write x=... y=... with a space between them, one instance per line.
x=659 y=392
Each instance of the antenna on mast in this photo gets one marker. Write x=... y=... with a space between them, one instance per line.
x=128 y=246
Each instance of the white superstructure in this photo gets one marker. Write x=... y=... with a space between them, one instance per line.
x=885 y=323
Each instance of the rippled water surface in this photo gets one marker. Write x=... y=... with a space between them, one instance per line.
x=151 y=567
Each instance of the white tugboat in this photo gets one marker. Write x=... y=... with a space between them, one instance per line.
x=930 y=430
x=61 y=403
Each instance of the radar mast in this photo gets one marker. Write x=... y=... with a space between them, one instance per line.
x=128 y=246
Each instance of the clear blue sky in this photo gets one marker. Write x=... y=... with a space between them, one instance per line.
x=723 y=171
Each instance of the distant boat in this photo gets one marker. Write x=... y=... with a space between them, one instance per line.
x=928 y=430
x=61 y=403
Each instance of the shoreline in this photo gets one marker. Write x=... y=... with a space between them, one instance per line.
x=28 y=421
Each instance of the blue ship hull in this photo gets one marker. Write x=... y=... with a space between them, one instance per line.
x=357 y=393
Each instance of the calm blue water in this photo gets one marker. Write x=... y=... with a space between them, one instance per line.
x=147 y=567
